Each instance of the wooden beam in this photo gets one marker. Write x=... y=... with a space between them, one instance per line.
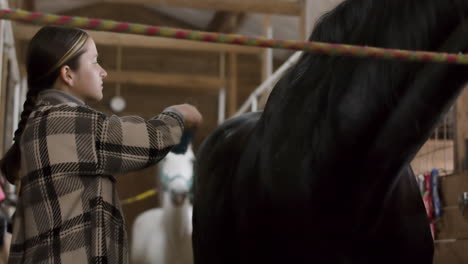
x=220 y=21
x=240 y=19
x=189 y=81
x=60 y=6
x=226 y=22
x=283 y=7
x=26 y=32
x=29 y=5
x=124 y=12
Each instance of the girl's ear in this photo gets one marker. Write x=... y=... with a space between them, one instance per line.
x=66 y=75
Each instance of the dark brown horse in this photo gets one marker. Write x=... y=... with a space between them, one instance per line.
x=322 y=175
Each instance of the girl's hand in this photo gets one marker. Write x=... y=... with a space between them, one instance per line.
x=192 y=117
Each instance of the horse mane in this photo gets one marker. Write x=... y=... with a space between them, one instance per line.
x=335 y=108
x=316 y=177
x=228 y=139
x=215 y=168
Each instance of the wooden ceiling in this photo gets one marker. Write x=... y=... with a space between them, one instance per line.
x=286 y=7
x=230 y=16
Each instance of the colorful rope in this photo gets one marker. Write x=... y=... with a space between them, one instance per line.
x=167 y=32
x=140 y=197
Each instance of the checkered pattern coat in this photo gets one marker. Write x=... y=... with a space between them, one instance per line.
x=68 y=209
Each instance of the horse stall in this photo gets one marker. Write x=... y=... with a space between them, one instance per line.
x=147 y=74
x=449 y=155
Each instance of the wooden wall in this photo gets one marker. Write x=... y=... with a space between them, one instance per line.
x=452 y=224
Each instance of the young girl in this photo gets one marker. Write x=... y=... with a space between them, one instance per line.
x=64 y=155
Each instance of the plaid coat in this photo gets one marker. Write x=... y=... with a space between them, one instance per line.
x=68 y=209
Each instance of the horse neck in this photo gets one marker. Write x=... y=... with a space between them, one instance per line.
x=177 y=220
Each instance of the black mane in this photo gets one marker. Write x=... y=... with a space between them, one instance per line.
x=322 y=176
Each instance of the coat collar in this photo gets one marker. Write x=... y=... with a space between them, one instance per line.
x=54 y=96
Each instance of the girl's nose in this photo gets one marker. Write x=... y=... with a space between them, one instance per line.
x=103 y=73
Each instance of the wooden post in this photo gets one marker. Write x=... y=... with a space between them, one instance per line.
x=3 y=107
x=29 y=5
x=232 y=94
x=118 y=68
x=6 y=106
x=461 y=132
x=305 y=23
x=267 y=60
x=2 y=89
x=222 y=89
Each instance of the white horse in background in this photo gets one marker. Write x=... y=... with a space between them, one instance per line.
x=164 y=235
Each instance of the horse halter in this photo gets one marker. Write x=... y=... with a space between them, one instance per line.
x=166 y=180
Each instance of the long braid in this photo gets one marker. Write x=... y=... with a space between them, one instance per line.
x=28 y=107
x=9 y=165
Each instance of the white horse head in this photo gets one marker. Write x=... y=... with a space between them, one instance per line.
x=176 y=171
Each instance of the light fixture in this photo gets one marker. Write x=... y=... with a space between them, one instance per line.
x=117 y=103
